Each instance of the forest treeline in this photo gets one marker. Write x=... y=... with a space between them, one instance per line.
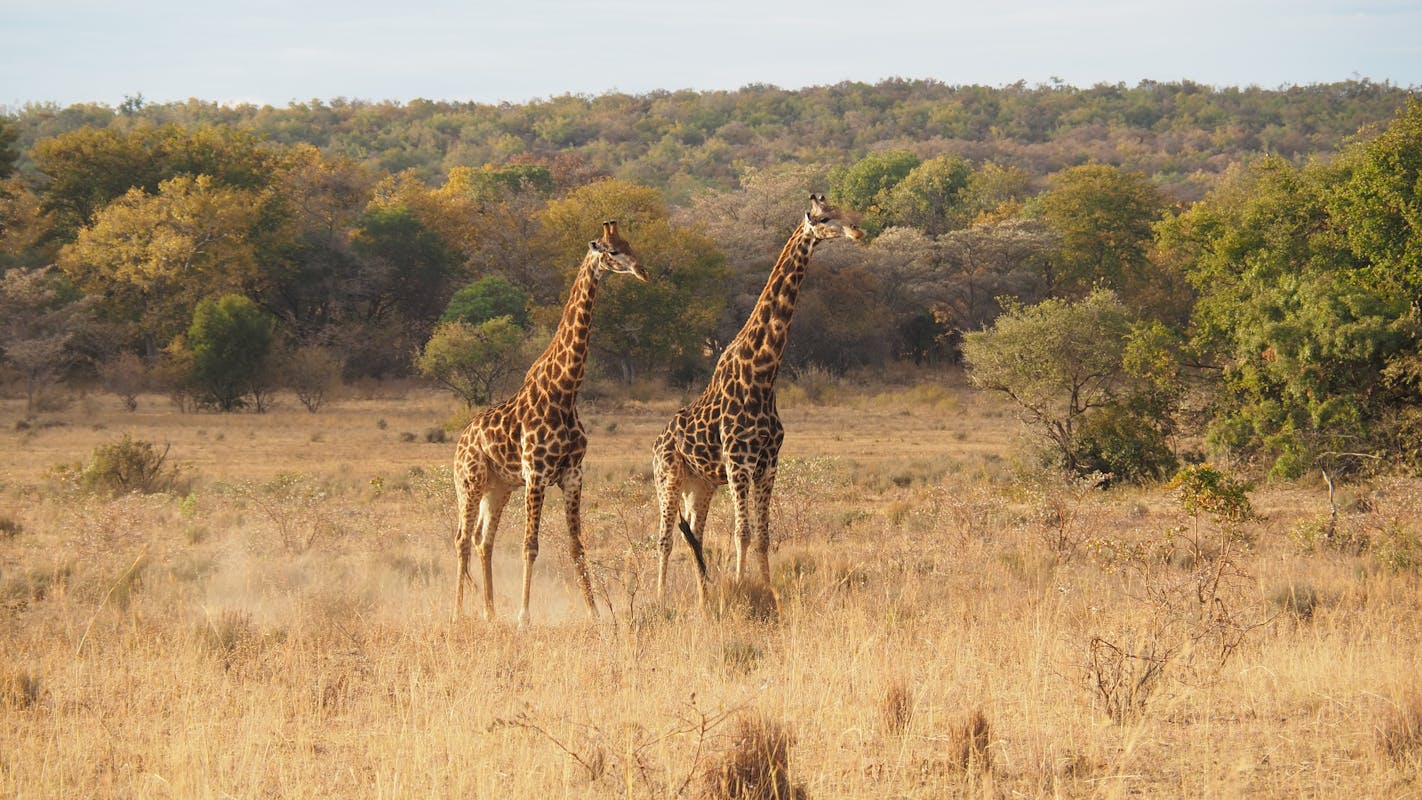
x=1179 y=134
x=1258 y=250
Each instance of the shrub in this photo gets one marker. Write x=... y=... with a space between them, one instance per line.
x=125 y=466
x=755 y=766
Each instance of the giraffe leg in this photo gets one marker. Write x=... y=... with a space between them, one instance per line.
x=696 y=503
x=572 y=506
x=742 y=490
x=533 y=500
x=763 y=489
x=491 y=509
x=468 y=489
x=667 y=474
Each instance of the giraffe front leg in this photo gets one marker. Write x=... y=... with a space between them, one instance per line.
x=763 y=490
x=572 y=506
x=668 y=478
x=533 y=500
x=741 y=502
x=491 y=508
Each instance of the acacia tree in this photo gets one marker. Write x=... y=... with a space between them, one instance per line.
x=1066 y=364
x=472 y=360
x=1303 y=317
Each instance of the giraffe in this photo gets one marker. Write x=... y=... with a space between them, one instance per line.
x=731 y=434
x=534 y=439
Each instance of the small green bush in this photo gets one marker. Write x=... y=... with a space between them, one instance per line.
x=125 y=466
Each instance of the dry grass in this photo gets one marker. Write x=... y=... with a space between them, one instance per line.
x=281 y=629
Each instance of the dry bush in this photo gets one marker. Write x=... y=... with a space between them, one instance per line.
x=127 y=377
x=1399 y=732
x=755 y=766
x=19 y=688
x=969 y=744
x=896 y=707
x=750 y=599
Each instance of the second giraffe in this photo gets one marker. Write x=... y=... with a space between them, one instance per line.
x=732 y=434
x=534 y=439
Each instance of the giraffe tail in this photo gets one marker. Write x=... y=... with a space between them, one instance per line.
x=695 y=546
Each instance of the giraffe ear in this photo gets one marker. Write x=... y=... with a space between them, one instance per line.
x=597 y=245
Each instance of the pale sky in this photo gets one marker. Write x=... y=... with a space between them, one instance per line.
x=263 y=51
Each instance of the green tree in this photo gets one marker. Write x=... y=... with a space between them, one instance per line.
x=489 y=297
x=637 y=326
x=1300 y=327
x=867 y=185
x=9 y=154
x=1065 y=364
x=1378 y=205
x=471 y=360
x=1104 y=216
x=930 y=198
x=229 y=341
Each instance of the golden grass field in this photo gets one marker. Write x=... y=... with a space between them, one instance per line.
x=278 y=624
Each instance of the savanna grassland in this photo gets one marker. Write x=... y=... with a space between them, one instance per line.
x=950 y=622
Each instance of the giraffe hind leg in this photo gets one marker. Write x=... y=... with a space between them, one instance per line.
x=468 y=491
x=572 y=506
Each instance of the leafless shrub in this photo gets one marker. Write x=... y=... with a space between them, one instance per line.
x=1191 y=588
x=126 y=376
x=313 y=373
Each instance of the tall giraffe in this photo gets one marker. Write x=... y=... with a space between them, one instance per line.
x=732 y=434
x=534 y=439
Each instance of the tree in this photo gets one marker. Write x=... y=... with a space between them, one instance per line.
x=152 y=257
x=41 y=317
x=866 y=186
x=229 y=339
x=9 y=155
x=472 y=360
x=1064 y=363
x=986 y=261
x=930 y=198
x=641 y=326
x=489 y=297
x=313 y=373
x=1104 y=216
x=91 y=167
x=1378 y=205
x=1301 y=329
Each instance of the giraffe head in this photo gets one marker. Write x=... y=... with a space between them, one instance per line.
x=826 y=221
x=614 y=254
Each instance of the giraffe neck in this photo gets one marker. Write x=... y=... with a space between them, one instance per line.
x=559 y=371
x=761 y=342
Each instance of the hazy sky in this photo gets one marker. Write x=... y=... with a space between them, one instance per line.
x=69 y=51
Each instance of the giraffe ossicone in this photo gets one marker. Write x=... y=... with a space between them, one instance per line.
x=731 y=434
x=534 y=439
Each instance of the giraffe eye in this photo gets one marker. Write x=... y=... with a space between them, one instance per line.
x=614 y=252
